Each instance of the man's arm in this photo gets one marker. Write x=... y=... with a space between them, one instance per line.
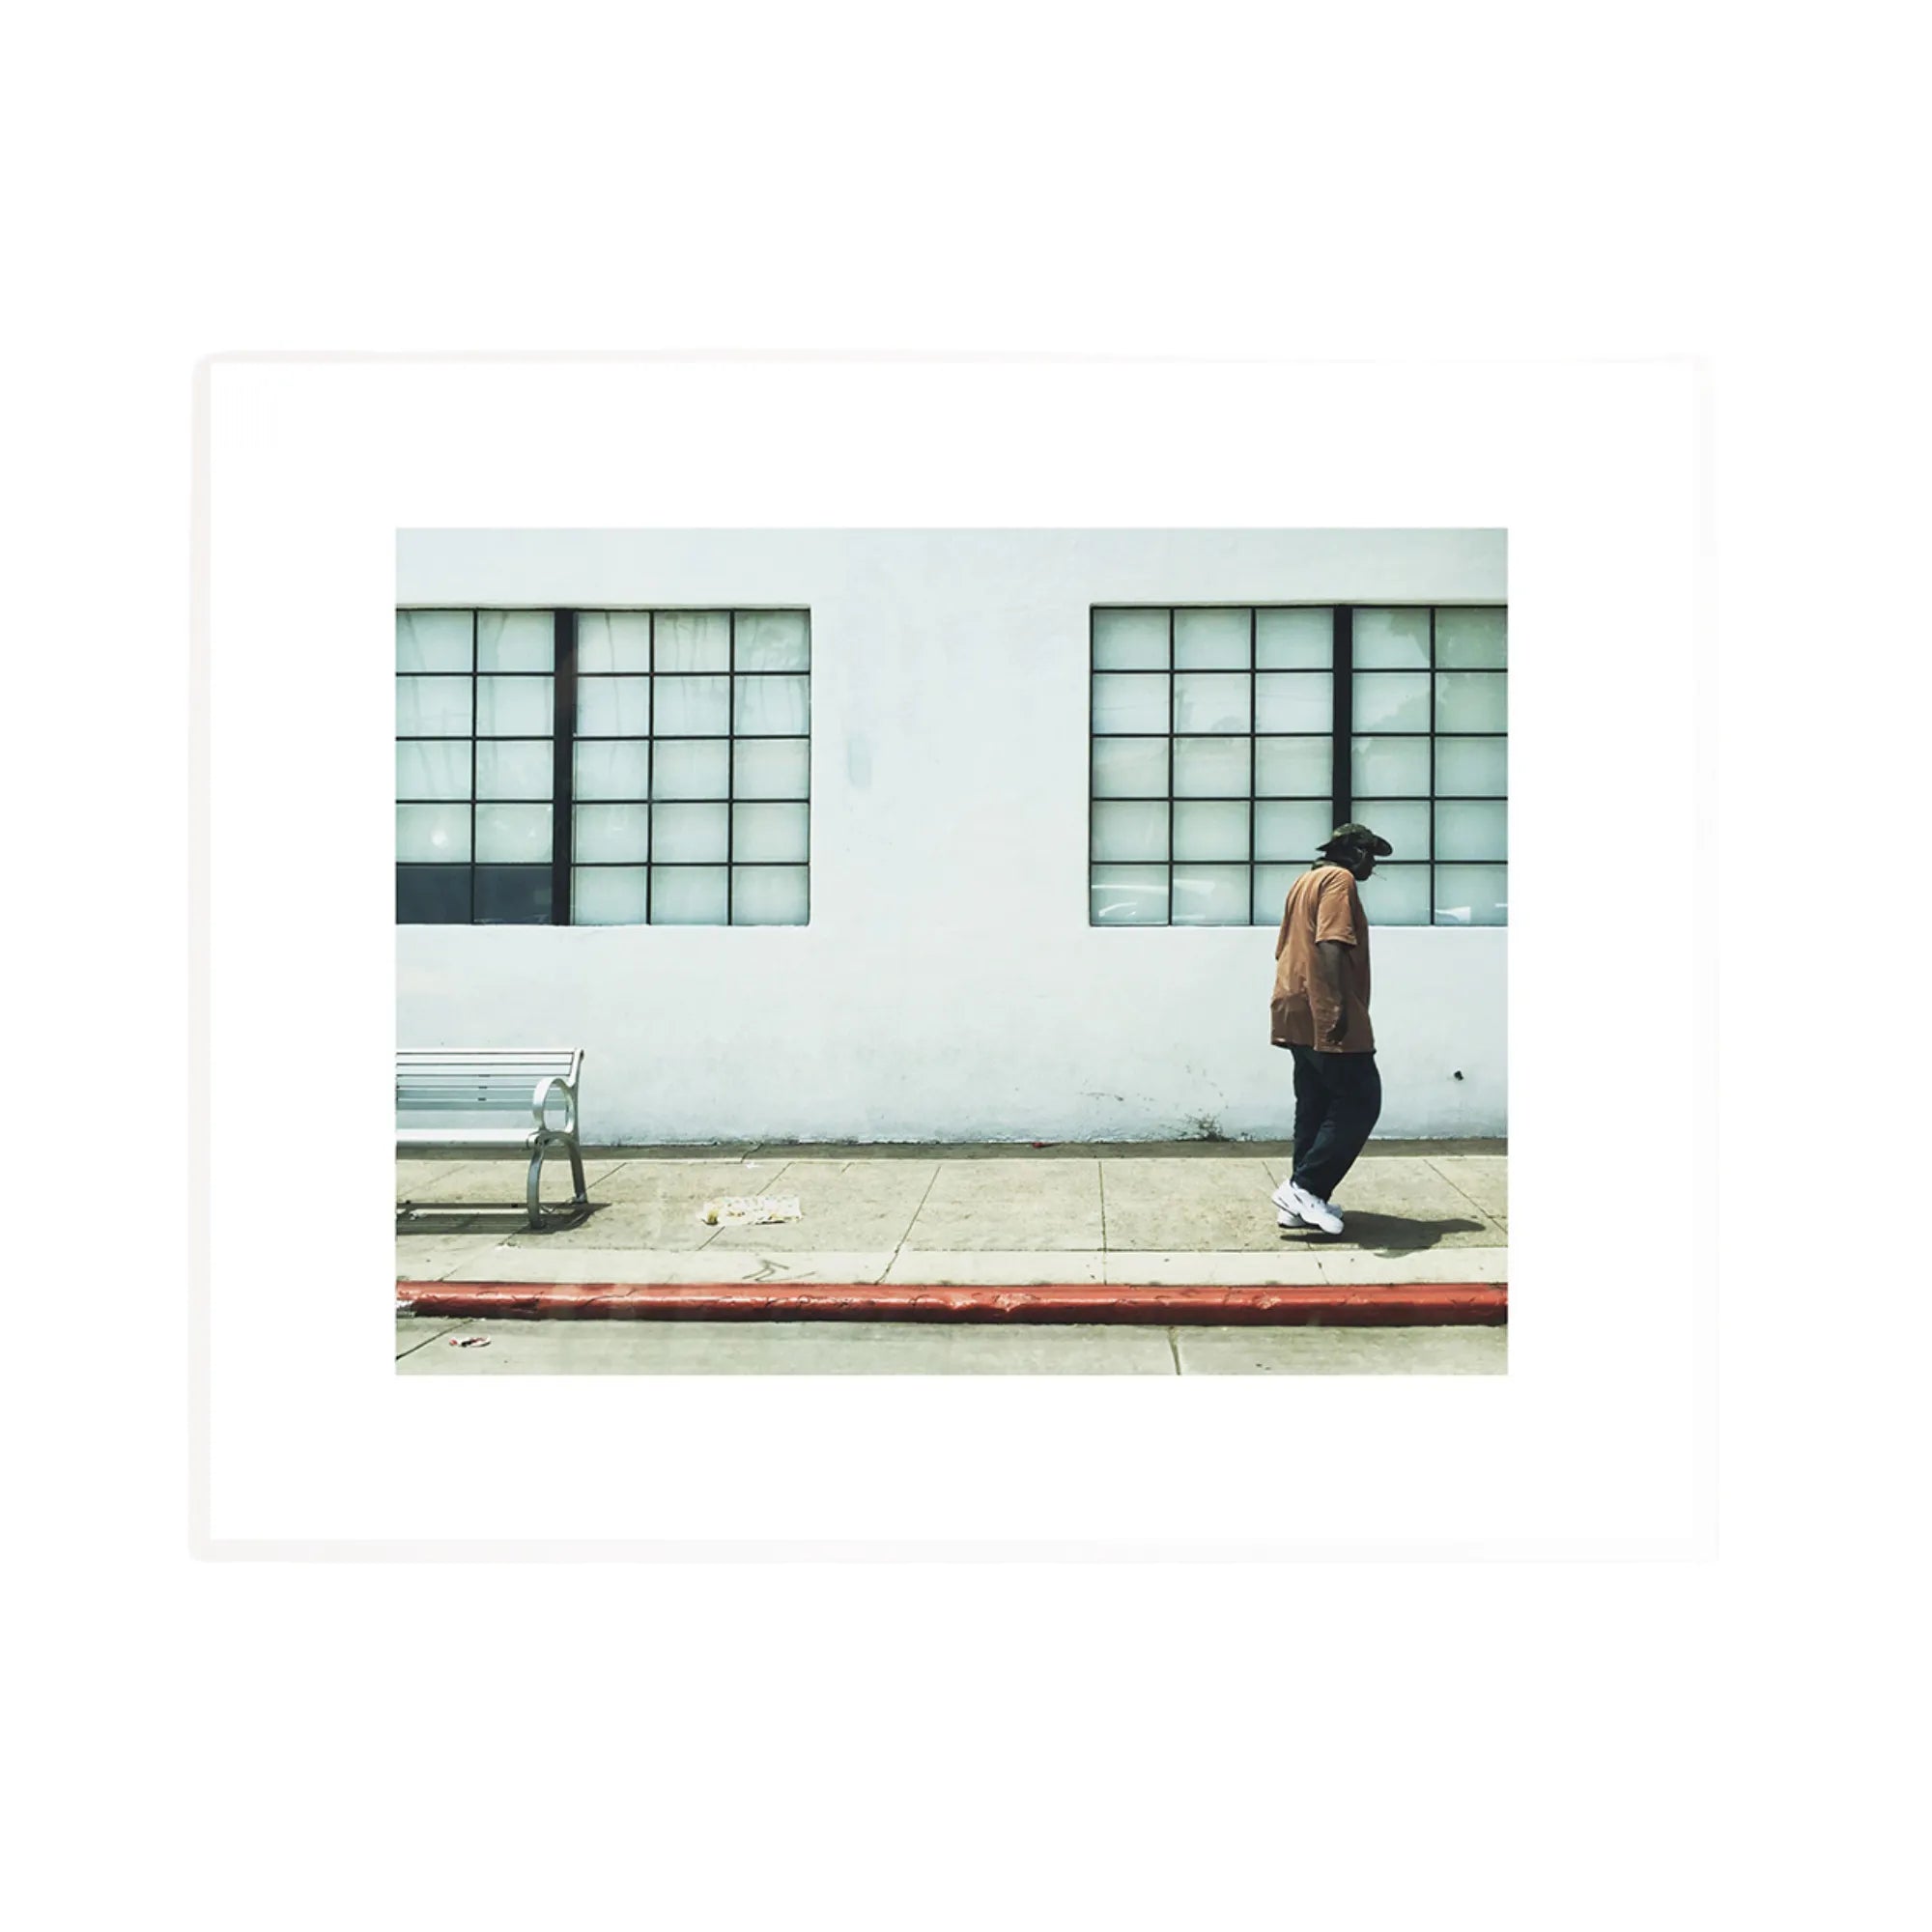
x=1331 y=999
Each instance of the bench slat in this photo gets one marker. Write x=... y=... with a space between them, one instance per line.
x=524 y=1084
x=422 y=1055
x=505 y=1081
x=466 y=1104
x=499 y=1076
x=437 y=1069
x=435 y=1137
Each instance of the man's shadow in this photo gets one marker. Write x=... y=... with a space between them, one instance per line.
x=1385 y=1234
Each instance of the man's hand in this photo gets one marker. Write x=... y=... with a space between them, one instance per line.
x=1332 y=1008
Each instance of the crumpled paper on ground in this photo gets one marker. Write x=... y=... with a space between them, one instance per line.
x=744 y=1209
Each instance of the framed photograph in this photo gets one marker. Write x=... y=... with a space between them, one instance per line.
x=965 y=948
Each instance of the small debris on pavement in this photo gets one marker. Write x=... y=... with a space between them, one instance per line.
x=747 y=1210
x=470 y=1340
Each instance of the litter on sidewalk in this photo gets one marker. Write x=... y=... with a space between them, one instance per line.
x=747 y=1210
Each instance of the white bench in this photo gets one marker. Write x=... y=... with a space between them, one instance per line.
x=492 y=1101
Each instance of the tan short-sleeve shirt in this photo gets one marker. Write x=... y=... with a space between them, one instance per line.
x=1321 y=904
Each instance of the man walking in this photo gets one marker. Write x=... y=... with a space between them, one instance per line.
x=1320 y=1013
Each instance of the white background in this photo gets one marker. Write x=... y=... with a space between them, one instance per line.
x=1386 y=1744
x=1590 y=1441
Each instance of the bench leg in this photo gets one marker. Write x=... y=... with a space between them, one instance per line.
x=533 y=1199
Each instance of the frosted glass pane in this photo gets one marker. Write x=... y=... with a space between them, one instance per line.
x=1212 y=639
x=607 y=895
x=1130 y=639
x=1130 y=832
x=1205 y=829
x=513 y=835
x=513 y=707
x=619 y=832
x=1129 y=767
x=1471 y=896
x=1210 y=701
x=615 y=771
x=770 y=896
x=515 y=770
x=1472 y=639
x=774 y=707
x=432 y=832
x=1471 y=831
x=1396 y=895
x=774 y=768
x=1295 y=640
x=1293 y=830
x=1127 y=896
x=1270 y=893
x=768 y=832
x=614 y=641
x=1391 y=767
x=1391 y=700
x=614 y=707
x=431 y=707
x=1130 y=702
x=433 y=770
x=689 y=895
x=1403 y=821
x=1294 y=701
x=1391 y=640
x=1472 y=767
x=698 y=707
x=1210 y=767
x=516 y=640
x=432 y=639
x=686 y=831
x=1211 y=895
x=1471 y=700
x=773 y=640
x=693 y=640
x=1294 y=767
x=690 y=771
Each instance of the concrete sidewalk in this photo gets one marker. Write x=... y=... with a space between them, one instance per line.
x=1146 y=1214
x=426 y=1345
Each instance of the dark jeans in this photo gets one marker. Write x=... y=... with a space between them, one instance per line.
x=1338 y=1098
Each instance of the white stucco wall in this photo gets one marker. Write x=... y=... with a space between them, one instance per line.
x=948 y=985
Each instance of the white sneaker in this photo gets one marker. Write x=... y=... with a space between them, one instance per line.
x=1309 y=1207
x=1286 y=1214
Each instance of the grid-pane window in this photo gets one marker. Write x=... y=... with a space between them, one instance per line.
x=1229 y=740
x=1429 y=742
x=475 y=718
x=602 y=767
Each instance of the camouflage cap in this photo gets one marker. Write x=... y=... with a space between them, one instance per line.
x=1352 y=834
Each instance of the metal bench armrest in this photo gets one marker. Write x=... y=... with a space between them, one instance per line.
x=540 y=1100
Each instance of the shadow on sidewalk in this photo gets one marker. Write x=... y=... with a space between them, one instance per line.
x=479 y=1218
x=1384 y=1234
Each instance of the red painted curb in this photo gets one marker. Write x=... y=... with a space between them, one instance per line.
x=1358 y=1304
